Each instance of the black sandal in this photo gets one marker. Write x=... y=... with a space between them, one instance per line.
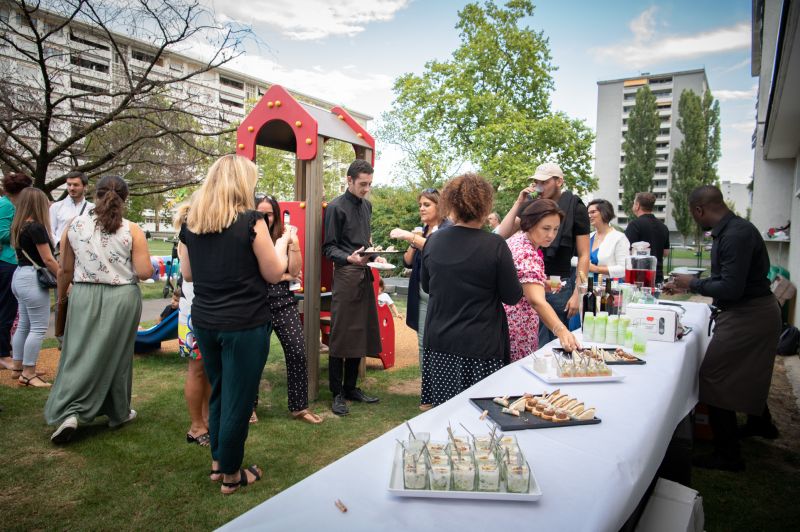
x=215 y=472
x=204 y=440
x=234 y=486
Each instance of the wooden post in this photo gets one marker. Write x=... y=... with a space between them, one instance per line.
x=313 y=253
x=300 y=180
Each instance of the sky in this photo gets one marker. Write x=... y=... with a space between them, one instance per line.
x=350 y=51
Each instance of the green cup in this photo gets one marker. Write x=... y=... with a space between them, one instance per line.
x=588 y=326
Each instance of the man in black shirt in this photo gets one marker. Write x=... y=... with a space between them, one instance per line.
x=647 y=228
x=354 y=315
x=572 y=239
x=737 y=368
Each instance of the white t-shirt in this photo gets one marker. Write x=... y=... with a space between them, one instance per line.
x=385 y=299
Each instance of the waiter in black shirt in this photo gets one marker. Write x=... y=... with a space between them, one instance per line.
x=355 y=332
x=647 y=228
x=737 y=369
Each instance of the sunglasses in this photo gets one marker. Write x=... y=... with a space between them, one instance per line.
x=261 y=197
x=430 y=191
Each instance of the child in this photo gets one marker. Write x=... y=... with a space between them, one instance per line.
x=385 y=299
x=173 y=305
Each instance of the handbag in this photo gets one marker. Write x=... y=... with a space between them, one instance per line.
x=46 y=279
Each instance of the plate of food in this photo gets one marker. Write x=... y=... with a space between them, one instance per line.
x=381 y=265
x=484 y=466
x=610 y=354
x=379 y=250
x=543 y=411
x=573 y=368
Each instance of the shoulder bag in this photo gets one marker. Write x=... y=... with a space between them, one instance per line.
x=46 y=279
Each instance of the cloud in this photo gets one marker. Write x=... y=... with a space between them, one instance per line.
x=741 y=64
x=648 y=48
x=728 y=95
x=312 y=19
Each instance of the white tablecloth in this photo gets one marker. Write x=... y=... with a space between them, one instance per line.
x=591 y=477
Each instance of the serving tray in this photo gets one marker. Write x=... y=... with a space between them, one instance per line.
x=638 y=362
x=551 y=377
x=397 y=487
x=525 y=421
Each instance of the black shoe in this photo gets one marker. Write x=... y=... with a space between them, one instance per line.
x=339 y=406
x=764 y=430
x=717 y=461
x=361 y=397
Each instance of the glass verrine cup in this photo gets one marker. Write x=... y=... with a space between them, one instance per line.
x=518 y=478
x=600 y=324
x=589 y=321
x=415 y=472
x=463 y=474
x=488 y=477
x=440 y=477
x=555 y=282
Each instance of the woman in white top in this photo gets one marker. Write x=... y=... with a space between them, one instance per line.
x=609 y=247
x=103 y=256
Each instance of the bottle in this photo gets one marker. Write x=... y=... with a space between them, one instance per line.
x=605 y=300
x=589 y=299
x=640 y=266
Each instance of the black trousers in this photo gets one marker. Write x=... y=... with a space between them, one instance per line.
x=343 y=374
x=8 y=307
x=726 y=437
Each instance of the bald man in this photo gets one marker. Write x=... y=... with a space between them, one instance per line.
x=736 y=371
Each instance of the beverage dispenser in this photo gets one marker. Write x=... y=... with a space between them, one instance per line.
x=640 y=267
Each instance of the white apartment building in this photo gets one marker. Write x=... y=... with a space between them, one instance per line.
x=86 y=61
x=615 y=99
x=737 y=195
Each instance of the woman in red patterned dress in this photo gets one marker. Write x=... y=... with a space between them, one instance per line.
x=539 y=223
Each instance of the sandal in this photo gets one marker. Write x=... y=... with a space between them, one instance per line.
x=215 y=475
x=30 y=381
x=204 y=440
x=307 y=416
x=242 y=482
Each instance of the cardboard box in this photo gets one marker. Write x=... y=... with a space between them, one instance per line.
x=660 y=322
x=672 y=507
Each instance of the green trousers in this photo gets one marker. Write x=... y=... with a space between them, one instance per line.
x=234 y=361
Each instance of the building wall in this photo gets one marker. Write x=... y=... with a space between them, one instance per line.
x=737 y=194
x=609 y=141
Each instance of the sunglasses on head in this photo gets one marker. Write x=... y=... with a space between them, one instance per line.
x=261 y=197
x=430 y=191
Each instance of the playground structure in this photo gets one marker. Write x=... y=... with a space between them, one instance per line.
x=279 y=121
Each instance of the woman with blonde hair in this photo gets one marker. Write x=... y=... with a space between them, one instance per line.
x=103 y=257
x=228 y=254
x=30 y=236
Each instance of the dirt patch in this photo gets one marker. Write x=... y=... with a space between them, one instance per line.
x=406 y=387
x=406 y=348
x=784 y=410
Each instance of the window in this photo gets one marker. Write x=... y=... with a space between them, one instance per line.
x=663 y=131
x=4 y=15
x=232 y=103
x=231 y=83
x=87 y=42
x=145 y=57
x=87 y=63
x=175 y=67
x=88 y=88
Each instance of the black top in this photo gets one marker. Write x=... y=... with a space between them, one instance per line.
x=648 y=228
x=347 y=219
x=32 y=233
x=412 y=309
x=739 y=264
x=468 y=274
x=167 y=311
x=558 y=257
x=229 y=292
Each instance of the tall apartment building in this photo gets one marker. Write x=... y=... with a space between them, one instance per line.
x=84 y=60
x=615 y=99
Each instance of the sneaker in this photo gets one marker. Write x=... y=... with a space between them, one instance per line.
x=339 y=406
x=65 y=431
x=131 y=417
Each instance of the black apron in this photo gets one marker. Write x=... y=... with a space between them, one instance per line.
x=737 y=369
x=355 y=331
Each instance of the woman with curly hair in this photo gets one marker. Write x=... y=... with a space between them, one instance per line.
x=13 y=184
x=103 y=257
x=469 y=274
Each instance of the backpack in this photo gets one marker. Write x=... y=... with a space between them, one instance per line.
x=789 y=341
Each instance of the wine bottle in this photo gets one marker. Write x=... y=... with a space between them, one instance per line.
x=589 y=299
x=604 y=301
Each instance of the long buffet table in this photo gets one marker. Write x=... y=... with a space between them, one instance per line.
x=591 y=476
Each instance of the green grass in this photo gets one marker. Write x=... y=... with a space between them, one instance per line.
x=145 y=477
x=160 y=248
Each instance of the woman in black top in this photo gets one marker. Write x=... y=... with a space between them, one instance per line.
x=469 y=274
x=228 y=255
x=30 y=236
x=285 y=318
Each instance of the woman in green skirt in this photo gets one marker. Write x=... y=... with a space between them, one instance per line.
x=103 y=256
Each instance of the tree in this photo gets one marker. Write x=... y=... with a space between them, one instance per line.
x=694 y=162
x=53 y=97
x=488 y=107
x=640 y=148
